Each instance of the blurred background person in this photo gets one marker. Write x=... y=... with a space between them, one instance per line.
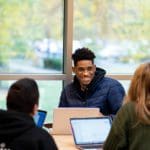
x=18 y=130
x=131 y=126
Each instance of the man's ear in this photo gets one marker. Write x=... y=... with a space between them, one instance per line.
x=35 y=109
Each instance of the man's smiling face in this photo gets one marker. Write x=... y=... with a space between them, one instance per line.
x=85 y=71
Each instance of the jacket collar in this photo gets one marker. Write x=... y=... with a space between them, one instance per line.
x=99 y=75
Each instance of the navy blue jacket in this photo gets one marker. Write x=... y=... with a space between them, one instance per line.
x=103 y=92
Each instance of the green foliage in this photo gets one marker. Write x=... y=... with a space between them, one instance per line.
x=52 y=63
x=23 y=22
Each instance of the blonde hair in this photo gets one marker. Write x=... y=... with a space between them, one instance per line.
x=139 y=92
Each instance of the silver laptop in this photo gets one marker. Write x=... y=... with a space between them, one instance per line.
x=61 y=118
x=90 y=133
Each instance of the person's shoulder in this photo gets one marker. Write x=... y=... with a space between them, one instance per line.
x=39 y=135
x=40 y=132
x=129 y=105
x=128 y=108
x=111 y=81
x=107 y=78
x=69 y=86
x=45 y=137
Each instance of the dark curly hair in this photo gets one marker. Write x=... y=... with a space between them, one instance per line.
x=83 y=54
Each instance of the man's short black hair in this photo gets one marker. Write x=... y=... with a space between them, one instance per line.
x=23 y=95
x=83 y=54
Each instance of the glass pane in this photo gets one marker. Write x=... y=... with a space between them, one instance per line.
x=49 y=95
x=117 y=31
x=125 y=84
x=31 y=39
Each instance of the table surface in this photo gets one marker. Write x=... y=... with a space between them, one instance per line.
x=65 y=142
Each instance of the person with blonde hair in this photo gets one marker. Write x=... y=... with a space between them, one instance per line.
x=131 y=126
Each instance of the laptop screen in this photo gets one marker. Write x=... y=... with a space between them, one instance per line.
x=90 y=130
x=39 y=118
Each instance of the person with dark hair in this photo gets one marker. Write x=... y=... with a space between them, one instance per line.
x=90 y=87
x=131 y=127
x=18 y=130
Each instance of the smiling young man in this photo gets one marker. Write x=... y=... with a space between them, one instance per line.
x=90 y=87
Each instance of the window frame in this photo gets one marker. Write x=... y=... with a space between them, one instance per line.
x=66 y=76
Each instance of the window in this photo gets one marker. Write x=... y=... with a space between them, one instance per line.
x=118 y=32
x=49 y=95
x=31 y=36
x=31 y=45
x=37 y=38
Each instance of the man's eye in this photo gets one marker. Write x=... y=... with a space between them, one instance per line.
x=89 y=68
x=80 y=69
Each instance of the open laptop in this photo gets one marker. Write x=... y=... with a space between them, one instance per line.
x=40 y=117
x=90 y=133
x=61 y=118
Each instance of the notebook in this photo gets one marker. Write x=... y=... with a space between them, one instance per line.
x=40 y=117
x=61 y=118
x=90 y=133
